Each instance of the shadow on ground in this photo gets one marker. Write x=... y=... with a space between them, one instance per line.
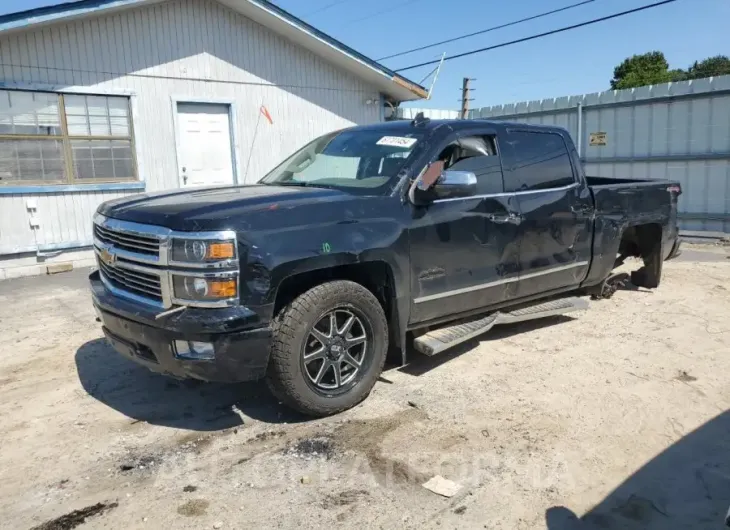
x=687 y=486
x=160 y=400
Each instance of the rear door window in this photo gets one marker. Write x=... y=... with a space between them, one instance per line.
x=539 y=161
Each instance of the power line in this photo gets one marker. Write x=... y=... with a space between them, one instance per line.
x=109 y=73
x=325 y=7
x=545 y=34
x=428 y=75
x=381 y=12
x=513 y=23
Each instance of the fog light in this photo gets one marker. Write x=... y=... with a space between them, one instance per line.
x=195 y=351
x=200 y=289
x=196 y=287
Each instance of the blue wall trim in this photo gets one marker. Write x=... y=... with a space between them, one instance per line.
x=66 y=89
x=66 y=245
x=63 y=188
x=303 y=26
x=22 y=19
x=48 y=247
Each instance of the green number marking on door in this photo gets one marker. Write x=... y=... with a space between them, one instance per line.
x=326 y=248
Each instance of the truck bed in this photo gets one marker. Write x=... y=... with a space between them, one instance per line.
x=640 y=210
x=634 y=201
x=610 y=181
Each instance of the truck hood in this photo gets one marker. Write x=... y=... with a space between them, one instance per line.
x=227 y=208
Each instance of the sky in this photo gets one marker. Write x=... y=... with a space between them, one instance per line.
x=574 y=62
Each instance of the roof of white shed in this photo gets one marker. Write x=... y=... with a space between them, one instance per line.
x=265 y=13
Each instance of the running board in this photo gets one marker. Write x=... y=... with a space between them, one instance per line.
x=441 y=339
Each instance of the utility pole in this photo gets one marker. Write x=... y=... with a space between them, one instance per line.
x=465 y=99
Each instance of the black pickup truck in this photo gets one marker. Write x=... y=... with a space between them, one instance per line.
x=367 y=241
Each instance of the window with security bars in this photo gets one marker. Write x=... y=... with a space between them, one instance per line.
x=48 y=138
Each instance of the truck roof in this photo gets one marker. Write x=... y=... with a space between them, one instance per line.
x=406 y=126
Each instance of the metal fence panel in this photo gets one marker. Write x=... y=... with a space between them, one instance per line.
x=678 y=131
x=409 y=113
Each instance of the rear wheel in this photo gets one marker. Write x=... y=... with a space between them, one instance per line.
x=328 y=348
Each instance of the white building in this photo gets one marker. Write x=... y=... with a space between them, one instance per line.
x=101 y=99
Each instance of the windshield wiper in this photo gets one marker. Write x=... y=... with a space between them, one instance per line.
x=302 y=184
x=289 y=183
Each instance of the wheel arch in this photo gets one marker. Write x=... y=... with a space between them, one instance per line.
x=637 y=238
x=379 y=276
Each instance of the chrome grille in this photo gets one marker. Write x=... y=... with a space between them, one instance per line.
x=134 y=262
x=138 y=283
x=129 y=241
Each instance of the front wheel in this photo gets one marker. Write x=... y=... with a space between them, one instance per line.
x=328 y=348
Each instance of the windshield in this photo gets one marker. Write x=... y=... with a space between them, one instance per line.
x=364 y=160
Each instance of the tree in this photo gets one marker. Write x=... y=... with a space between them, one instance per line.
x=647 y=69
x=712 y=66
x=652 y=68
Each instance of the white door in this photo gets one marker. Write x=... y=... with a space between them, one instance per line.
x=205 y=155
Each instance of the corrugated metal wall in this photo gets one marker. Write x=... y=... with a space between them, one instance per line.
x=679 y=131
x=188 y=49
x=408 y=113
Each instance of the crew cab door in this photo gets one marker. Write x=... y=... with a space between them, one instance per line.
x=556 y=209
x=462 y=249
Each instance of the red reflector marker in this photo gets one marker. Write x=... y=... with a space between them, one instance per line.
x=675 y=188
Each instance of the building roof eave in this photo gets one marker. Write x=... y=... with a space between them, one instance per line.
x=393 y=85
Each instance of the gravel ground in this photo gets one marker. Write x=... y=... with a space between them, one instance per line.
x=617 y=418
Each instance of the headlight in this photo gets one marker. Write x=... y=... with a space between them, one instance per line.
x=200 y=289
x=202 y=251
x=217 y=253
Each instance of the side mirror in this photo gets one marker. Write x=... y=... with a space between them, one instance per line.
x=449 y=185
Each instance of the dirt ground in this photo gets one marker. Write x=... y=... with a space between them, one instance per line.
x=618 y=417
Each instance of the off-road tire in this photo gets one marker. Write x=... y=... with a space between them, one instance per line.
x=290 y=329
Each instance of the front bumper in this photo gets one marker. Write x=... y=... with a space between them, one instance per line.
x=240 y=336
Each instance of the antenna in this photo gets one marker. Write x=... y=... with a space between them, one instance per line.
x=436 y=76
x=420 y=120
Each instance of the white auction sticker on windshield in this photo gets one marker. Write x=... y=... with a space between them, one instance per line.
x=397 y=141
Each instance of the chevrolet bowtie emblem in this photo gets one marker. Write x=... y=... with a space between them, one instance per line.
x=107 y=257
